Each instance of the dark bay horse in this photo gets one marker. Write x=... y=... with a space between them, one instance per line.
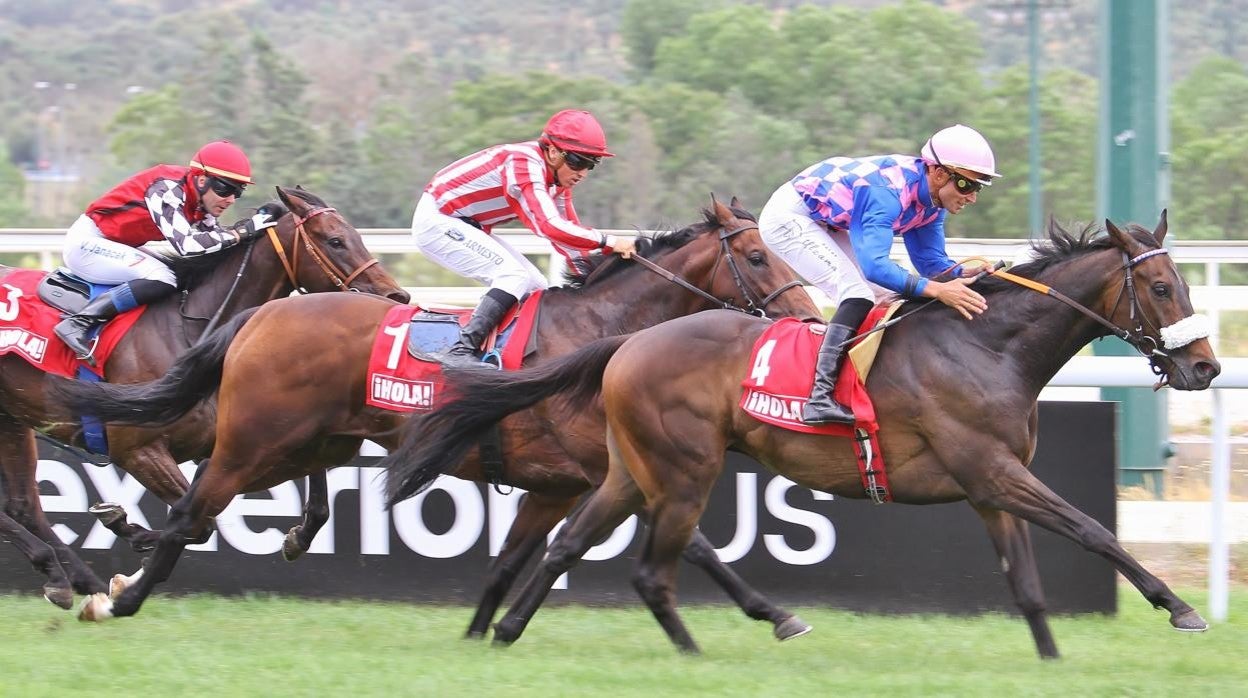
x=279 y=420
x=312 y=248
x=955 y=399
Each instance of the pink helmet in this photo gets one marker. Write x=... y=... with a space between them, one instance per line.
x=577 y=131
x=964 y=148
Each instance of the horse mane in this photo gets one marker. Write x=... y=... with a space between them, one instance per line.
x=192 y=271
x=593 y=269
x=1061 y=246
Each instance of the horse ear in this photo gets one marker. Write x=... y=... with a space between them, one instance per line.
x=722 y=213
x=1121 y=239
x=1162 y=226
x=735 y=203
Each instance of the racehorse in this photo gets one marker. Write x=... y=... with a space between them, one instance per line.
x=312 y=249
x=281 y=420
x=955 y=401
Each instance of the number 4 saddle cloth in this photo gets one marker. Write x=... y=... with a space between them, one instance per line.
x=782 y=372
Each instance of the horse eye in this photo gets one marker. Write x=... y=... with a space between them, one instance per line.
x=337 y=243
x=758 y=259
x=1161 y=290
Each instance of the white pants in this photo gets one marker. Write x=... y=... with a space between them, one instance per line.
x=99 y=260
x=825 y=259
x=459 y=246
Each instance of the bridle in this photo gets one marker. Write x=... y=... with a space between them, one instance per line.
x=753 y=306
x=291 y=265
x=336 y=276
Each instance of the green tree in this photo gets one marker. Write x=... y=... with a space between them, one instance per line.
x=13 y=212
x=155 y=127
x=645 y=23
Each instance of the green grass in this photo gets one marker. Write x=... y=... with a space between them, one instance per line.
x=266 y=646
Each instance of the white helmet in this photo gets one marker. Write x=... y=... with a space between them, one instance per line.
x=964 y=148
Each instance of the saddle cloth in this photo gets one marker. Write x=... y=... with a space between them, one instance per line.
x=403 y=374
x=26 y=324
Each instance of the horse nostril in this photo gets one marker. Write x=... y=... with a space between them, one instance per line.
x=1208 y=369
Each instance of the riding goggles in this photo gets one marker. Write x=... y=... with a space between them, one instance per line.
x=965 y=185
x=224 y=187
x=578 y=162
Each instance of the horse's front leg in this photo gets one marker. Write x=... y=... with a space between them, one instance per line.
x=755 y=605
x=1017 y=491
x=1012 y=540
x=535 y=517
x=57 y=589
x=153 y=466
x=315 y=513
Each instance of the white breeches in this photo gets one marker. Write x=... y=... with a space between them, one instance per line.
x=99 y=260
x=825 y=259
x=459 y=246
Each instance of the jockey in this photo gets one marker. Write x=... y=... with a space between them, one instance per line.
x=834 y=224
x=530 y=181
x=165 y=202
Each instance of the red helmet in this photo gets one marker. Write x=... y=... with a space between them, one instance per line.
x=223 y=159
x=576 y=131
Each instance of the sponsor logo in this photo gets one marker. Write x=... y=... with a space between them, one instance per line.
x=782 y=409
x=483 y=251
x=454 y=235
x=30 y=345
x=402 y=394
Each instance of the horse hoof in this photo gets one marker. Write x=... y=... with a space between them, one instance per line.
x=1189 y=622
x=59 y=596
x=474 y=635
x=504 y=636
x=107 y=513
x=290 y=547
x=117 y=585
x=790 y=628
x=96 y=608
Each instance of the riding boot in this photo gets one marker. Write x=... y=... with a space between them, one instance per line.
x=74 y=328
x=821 y=408
x=490 y=311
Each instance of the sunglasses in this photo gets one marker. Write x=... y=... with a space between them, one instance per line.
x=579 y=162
x=963 y=184
x=224 y=187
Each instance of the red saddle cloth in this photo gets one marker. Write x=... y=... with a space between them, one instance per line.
x=400 y=382
x=26 y=328
x=781 y=374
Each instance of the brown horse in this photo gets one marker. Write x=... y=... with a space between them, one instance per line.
x=956 y=403
x=281 y=420
x=311 y=249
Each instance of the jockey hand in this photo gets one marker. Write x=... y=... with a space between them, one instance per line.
x=957 y=294
x=273 y=209
x=623 y=246
x=251 y=228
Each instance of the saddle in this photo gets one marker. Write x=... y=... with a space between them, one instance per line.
x=433 y=330
x=67 y=292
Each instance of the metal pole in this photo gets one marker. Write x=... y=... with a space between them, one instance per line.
x=1034 y=200
x=1220 y=487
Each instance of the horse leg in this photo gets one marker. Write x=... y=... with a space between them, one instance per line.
x=755 y=605
x=535 y=518
x=671 y=526
x=57 y=588
x=315 y=514
x=614 y=501
x=1012 y=540
x=20 y=484
x=151 y=463
x=1019 y=492
x=113 y=517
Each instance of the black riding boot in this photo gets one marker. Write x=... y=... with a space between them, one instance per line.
x=821 y=408
x=104 y=307
x=490 y=311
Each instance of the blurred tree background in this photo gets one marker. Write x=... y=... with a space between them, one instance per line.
x=362 y=101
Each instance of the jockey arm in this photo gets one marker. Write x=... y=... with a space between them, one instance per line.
x=926 y=247
x=166 y=200
x=539 y=212
x=871 y=234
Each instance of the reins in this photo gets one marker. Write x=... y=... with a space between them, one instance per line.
x=752 y=307
x=336 y=276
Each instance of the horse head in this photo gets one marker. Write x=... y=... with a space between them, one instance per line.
x=747 y=274
x=1153 y=304
x=321 y=251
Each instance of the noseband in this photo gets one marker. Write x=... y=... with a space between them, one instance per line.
x=753 y=307
x=336 y=276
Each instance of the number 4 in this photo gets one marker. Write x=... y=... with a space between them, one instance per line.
x=762 y=365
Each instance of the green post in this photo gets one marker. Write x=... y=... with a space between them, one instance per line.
x=1035 y=204
x=1132 y=185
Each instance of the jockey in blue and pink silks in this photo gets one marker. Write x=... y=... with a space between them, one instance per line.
x=834 y=223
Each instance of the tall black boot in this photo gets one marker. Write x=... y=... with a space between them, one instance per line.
x=821 y=408
x=490 y=311
x=73 y=329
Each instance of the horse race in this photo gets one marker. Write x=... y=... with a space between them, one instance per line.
x=640 y=347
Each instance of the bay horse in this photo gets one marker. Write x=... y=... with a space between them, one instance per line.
x=312 y=248
x=955 y=401
x=281 y=420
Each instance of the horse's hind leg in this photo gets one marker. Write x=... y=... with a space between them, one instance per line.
x=755 y=605
x=147 y=458
x=18 y=460
x=315 y=514
x=57 y=588
x=614 y=501
x=1012 y=540
x=535 y=518
x=1019 y=492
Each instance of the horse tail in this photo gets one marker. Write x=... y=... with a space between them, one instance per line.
x=432 y=444
x=193 y=378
